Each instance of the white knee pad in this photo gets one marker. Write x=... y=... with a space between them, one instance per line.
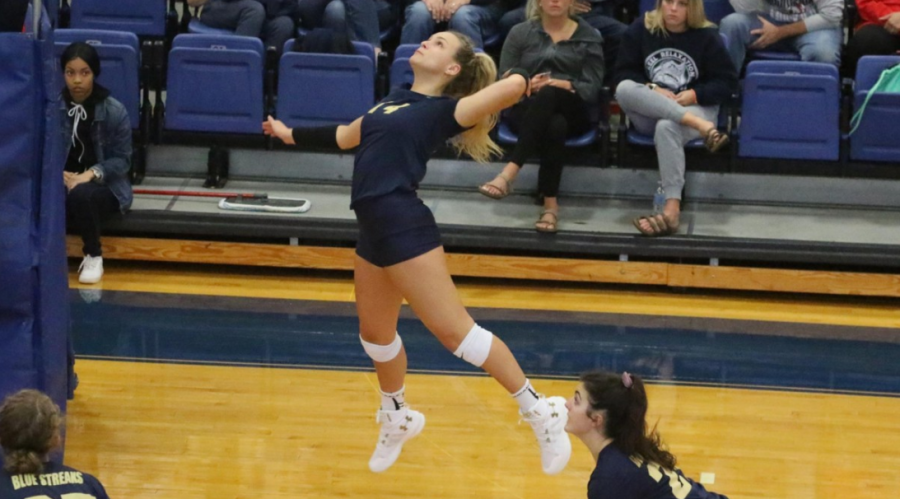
x=476 y=346
x=383 y=353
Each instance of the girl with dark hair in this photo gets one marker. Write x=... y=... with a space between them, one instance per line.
x=29 y=432
x=399 y=255
x=97 y=132
x=608 y=413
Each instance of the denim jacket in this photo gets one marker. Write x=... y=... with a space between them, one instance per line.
x=111 y=134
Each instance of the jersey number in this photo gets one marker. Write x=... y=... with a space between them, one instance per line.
x=388 y=109
x=680 y=487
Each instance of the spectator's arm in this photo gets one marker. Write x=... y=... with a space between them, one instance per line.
x=831 y=12
x=872 y=11
x=630 y=61
x=511 y=54
x=720 y=77
x=117 y=151
x=593 y=68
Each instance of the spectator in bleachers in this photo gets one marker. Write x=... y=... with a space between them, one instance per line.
x=565 y=55
x=97 y=131
x=362 y=20
x=673 y=74
x=811 y=28
x=476 y=19
x=878 y=32
x=29 y=431
x=274 y=21
x=598 y=13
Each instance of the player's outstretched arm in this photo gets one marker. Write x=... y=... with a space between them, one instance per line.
x=344 y=136
x=491 y=99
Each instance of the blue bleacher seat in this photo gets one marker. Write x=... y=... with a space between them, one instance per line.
x=215 y=84
x=320 y=89
x=198 y=28
x=361 y=48
x=790 y=110
x=401 y=73
x=383 y=35
x=505 y=135
x=119 y=53
x=141 y=17
x=406 y=50
x=878 y=136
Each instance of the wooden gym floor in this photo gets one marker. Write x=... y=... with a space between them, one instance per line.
x=228 y=382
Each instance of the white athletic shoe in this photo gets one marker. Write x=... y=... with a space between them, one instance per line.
x=548 y=419
x=396 y=428
x=91 y=269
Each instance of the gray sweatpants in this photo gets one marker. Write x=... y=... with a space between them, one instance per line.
x=654 y=114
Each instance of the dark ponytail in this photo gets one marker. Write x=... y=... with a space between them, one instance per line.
x=624 y=401
x=29 y=428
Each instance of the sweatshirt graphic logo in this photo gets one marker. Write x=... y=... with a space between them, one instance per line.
x=789 y=11
x=671 y=68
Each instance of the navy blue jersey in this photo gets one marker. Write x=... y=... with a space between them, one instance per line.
x=618 y=476
x=397 y=138
x=55 y=482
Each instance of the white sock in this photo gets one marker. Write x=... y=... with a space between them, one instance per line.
x=526 y=397
x=393 y=401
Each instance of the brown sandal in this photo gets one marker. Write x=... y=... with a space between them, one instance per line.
x=545 y=225
x=494 y=191
x=714 y=140
x=659 y=225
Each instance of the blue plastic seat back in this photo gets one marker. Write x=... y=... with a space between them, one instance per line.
x=876 y=138
x=322 y=89
x=361 y=48
x=406 y=51
x=792 y=68
x=97 y=37
x=198 y=28
x=215 y=89
x=790 y=110
x=220 y=42
x=401 y=73
x=869 y=69
x=141 y=17
x=119 y=64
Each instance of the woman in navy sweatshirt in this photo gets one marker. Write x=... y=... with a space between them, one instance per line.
x=673 y=73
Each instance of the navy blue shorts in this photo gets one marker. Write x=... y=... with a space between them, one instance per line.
x=395 y=228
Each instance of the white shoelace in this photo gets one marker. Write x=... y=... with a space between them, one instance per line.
x=90 y=263
x=79 y=113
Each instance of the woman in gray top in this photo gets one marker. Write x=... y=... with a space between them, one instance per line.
x=565 y=55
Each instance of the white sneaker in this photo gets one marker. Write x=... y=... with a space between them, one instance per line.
x=396 y=428
x=91 y=269
x=548 y=419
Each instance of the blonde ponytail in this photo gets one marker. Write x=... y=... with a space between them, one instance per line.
x=478 y=71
